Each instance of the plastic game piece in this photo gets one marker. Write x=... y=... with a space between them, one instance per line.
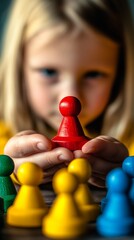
x=29 y=207
x=104 y=200
x=64 y=220
x=117 y=218
x=128 y=167
x=70 y=134
x=7 y=189
x=81 y=168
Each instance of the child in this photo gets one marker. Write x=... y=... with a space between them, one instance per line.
x=58 y=48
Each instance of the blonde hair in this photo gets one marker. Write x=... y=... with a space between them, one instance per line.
x=28 y=18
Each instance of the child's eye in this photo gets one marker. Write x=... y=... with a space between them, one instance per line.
x=48 y=72
x=93 y=74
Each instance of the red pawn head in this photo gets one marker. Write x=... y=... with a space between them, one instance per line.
x=70 y=106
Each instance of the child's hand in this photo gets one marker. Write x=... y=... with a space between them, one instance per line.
x=104 y=154
x=28 y=146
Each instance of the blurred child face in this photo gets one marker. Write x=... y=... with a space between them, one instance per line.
x=82 y=65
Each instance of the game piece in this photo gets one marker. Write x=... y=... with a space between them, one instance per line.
x=81 y=168
x=70 y=134
x=104 y=200
x=7 y=189
x=64 y=219
x=117 y=218
x=29 y=207
x=128 y=167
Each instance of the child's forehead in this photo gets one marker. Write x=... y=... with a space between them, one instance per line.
x=71 y=47
x=59 y=35
x=52 y=33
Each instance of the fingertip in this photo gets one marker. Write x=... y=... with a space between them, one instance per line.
x=88 y=148
x=41 y=146
x=43 y=143
x=64 y=154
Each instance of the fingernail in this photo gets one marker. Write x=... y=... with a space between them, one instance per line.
x=41 y=146
x=63 y=158
x=88 y=149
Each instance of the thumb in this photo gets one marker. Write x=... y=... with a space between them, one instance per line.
x=24 y=145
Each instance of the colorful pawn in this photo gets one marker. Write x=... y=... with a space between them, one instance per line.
x=29 y=207
x=128 y=167
x=70 y=134
x=104 y=201
x=64 y=220
x=81 y=168
x=7 y=189
x=117 y=218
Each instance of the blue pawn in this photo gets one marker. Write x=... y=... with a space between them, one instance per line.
x=104 y=200
x=117 y=218
x=128 y=167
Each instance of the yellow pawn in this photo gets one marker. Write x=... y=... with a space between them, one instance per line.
x=64 y=219
x=29 y=206
x=81 y=168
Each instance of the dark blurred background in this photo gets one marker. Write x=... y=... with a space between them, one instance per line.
x=4 y=8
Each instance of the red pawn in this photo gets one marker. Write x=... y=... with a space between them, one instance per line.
x=70 y=134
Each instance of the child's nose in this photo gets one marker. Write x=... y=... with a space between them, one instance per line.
x=70 y=89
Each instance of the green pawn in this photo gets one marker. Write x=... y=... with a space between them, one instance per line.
x=7 y=189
